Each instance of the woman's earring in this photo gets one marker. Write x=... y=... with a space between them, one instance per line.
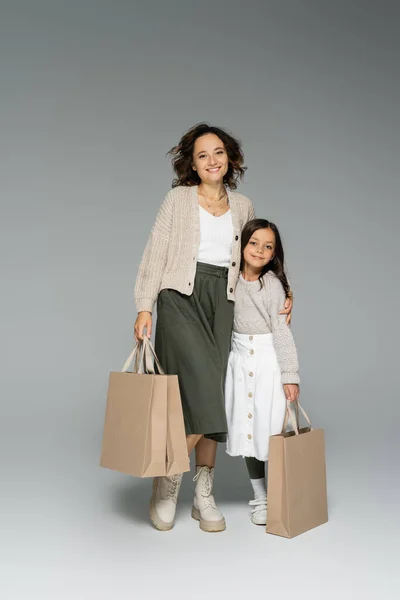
x=194 y=168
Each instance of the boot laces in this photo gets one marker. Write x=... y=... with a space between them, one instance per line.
x=206 y=488
x=173 y=483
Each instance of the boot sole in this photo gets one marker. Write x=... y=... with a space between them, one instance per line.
x=208 y=526
x=154 y=518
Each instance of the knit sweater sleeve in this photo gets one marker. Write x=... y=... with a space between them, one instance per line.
x=154 y=259
x=252 y=212
x=283 y=337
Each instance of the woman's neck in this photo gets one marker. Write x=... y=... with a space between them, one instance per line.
x=250 y=274
x=213 y=191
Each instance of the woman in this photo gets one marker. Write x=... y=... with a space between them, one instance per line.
x=190 y=266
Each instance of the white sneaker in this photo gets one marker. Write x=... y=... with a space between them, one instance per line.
x=204 y=508
x=163 y=501
x=259 y=511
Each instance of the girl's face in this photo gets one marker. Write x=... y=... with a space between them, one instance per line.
x=210 y=159
x=260 y=249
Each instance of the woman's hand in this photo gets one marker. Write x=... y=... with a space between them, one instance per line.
x=288 y=309
x=292 y=391
x=143 y=322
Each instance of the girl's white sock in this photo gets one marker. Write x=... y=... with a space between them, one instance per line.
x=259 y=488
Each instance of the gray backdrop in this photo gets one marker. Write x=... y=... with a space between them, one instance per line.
x=93 y=94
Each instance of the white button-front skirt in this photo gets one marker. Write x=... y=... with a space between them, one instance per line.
x=254 y=397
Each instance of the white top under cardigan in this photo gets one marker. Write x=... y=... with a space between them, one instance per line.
x=216 y=235
x=169 y=259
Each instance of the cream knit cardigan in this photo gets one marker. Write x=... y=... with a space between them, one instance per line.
x=170 y=257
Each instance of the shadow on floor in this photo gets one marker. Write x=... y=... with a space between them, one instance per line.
x=231 y=484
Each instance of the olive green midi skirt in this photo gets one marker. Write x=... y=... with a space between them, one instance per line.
x=193 y=338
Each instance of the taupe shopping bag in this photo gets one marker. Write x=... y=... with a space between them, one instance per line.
x=297 y=495
x=136 y=421
x=177 y=455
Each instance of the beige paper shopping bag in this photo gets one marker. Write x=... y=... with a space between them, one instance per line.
x=177 y=455
x=297 y=495
x=136 y=420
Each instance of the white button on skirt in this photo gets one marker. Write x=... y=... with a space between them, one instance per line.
x=254 y=398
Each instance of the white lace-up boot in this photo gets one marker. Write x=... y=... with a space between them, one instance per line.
x=259 y=511
x=163 y=501
x=204 y=508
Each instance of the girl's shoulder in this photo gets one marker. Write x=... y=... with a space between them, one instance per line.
x=269 y=276
x=272 y=283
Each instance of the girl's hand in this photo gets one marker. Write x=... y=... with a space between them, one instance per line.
x=143 y=322
x=288 y=309
x=292 y=391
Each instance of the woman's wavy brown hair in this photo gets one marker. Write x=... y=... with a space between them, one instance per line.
x=182 y=156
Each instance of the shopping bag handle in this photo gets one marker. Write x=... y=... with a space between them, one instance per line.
x=144 y=357
x=150 y=355
x=294 y=420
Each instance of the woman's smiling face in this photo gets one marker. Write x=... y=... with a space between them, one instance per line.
x=210 y=158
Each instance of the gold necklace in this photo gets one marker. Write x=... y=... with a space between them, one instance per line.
x=223 y=196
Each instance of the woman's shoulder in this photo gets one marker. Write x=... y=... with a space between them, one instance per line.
x=179 y=191
x=244 y=205
x=177 y=195
x=241 y=198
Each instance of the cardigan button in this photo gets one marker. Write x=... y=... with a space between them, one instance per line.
x=233 y=264
x=231 y=290
x=236 y=237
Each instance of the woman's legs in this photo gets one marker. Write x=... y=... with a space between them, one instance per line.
x=204 y=507
x=192 y=441
x=205 y=448
x=165 y=494
x=166 y=489
x=206 y=452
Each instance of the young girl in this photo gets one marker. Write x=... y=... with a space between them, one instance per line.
x=263 y=366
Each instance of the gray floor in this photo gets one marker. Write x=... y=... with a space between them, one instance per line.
x=72 y=530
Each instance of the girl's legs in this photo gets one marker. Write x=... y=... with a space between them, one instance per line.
x=256 y=469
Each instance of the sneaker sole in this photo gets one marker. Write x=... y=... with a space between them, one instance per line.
x=208 y=526
x=154 y=518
